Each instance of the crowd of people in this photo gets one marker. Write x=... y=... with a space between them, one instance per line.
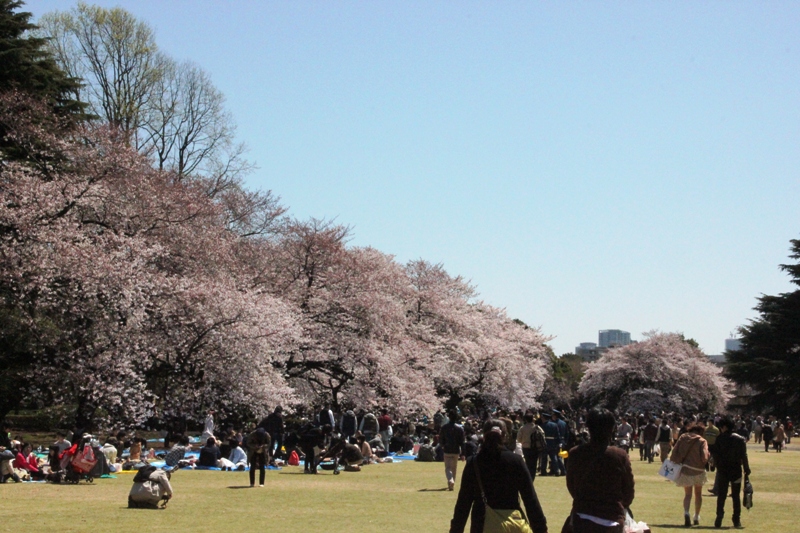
x=504 y=453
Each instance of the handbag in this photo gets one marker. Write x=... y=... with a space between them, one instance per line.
x=501 y=520
x=747 y=501
x=670 y=470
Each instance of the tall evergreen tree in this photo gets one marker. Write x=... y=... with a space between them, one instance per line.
x=27 y=66
x=769 y=358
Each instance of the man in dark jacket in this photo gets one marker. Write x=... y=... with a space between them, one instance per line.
x=274 y=425
x=650 y=434
x=730 y=456
x=312 y=442
x=452 y=439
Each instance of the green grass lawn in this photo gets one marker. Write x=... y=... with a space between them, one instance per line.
x=400 y=497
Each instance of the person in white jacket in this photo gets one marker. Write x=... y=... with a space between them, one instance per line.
x=238 y=456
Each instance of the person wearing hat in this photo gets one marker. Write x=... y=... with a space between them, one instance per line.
x=552 y=437
x=258 y=446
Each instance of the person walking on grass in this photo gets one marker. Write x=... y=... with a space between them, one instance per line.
x=499 y=478
x=691 y=451
x=766 y=435
x=664 y=439
x=730 y=455
x=452 y=439
x=599 y=479
x=779 y=437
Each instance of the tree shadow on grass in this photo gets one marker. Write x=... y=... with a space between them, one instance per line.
x=240 y=487
x=444 y=489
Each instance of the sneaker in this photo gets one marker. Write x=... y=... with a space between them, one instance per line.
x=718 y=522
x=737 y=524
x=450 y=485
x=687 y=521
x=696 y=520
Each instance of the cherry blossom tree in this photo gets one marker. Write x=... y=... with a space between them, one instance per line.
x=472 y=349
x=127 y=282
x=664 y=372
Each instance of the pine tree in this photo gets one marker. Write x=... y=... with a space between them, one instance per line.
x=26 y=66
x=769 y=358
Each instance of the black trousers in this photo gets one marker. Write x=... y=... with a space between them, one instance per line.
x=725 y=479
x=531 y=459
x=311 y=460
x=257 y=460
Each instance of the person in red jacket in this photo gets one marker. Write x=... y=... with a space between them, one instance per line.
x=26 y=460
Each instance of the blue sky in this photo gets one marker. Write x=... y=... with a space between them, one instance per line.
x=588 y=165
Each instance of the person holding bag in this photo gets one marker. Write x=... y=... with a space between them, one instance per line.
x=491 y=486
x=599 y=479
x=691 y=451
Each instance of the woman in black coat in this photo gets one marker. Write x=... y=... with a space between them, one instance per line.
x=504 y=477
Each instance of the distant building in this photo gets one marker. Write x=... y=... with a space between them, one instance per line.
x=718 y=360
x=589 y=351
x=733 y=345
x=614 y=337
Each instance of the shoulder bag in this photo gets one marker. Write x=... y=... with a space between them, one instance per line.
x=501 y=520
x=670 y=469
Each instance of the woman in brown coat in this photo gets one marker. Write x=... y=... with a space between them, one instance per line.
x=691 y=451
x=599 y=479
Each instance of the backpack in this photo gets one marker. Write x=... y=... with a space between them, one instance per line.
x=143 y=474
x=538 y=442
x=294 y=459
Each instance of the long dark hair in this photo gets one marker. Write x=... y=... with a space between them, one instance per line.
x=494 y=432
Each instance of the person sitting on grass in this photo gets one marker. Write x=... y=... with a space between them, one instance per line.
x=209 y=454
x=176 y=454
x=27 y=461
x=6 y=470
x=238 y=457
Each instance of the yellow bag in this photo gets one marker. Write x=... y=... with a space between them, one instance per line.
x=505 y=521
x=501 y=520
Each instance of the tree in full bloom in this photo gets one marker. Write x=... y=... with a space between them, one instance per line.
x=469 y=348
x=123 y=285
x=664 y=372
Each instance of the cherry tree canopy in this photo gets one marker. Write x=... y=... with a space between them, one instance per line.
x=664 y=372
